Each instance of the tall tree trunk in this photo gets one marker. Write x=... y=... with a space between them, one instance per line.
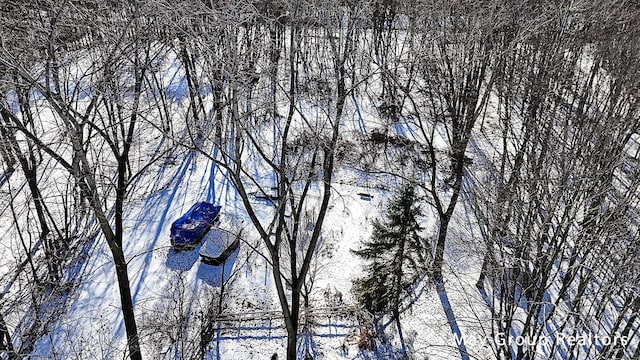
x=292 y=328
x=119 y=259
x=127 y=303
x=445 y=217
x=195 y=97
x=438 y=258
x=396 y=316
x=29 y=168
x=5 y=152
x=6 y=345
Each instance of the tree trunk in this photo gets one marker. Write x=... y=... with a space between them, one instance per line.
x=6 y=153
x=126 y=302
x=438 y=258
x=459 y=146
x=212 y=313
x=114 y=240
x=396 y=315
x=292 y=344
x=6 y=346
x=292 y=327
x=29 y=168
x=483 y=271
x=115 y=244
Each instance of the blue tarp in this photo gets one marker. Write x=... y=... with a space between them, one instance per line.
x=191 y=227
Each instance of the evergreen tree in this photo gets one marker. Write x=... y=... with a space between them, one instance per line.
x=396 y=255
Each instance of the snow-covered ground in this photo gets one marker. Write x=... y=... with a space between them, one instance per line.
x=173 y=292
x=167 y=286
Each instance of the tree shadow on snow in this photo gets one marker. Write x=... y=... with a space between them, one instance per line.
x=182 y=260
x=215 y=275
x=451 y=319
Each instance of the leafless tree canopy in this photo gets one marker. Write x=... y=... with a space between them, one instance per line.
x=523 y=114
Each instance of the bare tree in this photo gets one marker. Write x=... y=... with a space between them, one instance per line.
x=274 y=150
x=109 y=119
x=554 y=216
